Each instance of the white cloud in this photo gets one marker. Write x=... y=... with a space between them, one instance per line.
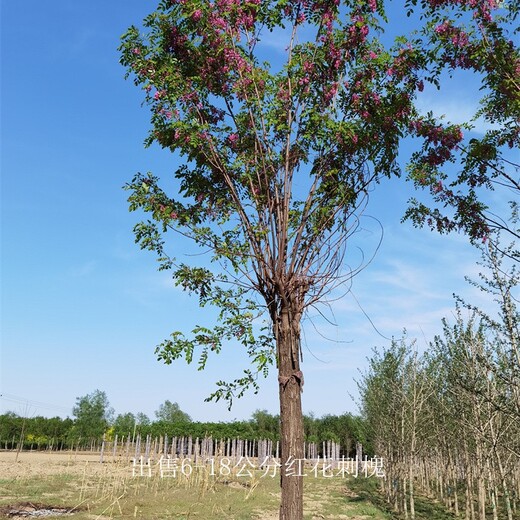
x=456 y=107
x=83 y=270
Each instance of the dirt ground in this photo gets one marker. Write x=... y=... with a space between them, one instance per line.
x=37 y=463
x=319 y=502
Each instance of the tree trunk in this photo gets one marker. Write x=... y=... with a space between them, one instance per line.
x=411 y=490
x=290 y=379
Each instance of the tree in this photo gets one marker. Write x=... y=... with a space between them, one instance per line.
x=383 y=390
x=171 y=413
x=499 y=279
x=265 y=424
x=345 y=429
x=142 y=419
x=449 y=420
x=278 y=162
x=473 y=366
x=10 y=428
x=124 y=424
x=479 y=37
x=92 y=414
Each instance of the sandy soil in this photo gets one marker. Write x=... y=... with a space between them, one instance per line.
x=34 y=463
x=41 y=464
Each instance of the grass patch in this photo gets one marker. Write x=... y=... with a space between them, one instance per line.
x=102 y=492
x=337 y=501
x=105 y=491
x=425 y=508
x=367 y=491
x=116 y=494
x=34 y=489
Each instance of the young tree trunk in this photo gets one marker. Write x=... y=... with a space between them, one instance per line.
x=411 y=490
x=403 y=498
x=481 y=489
x=455 y=495
x=290 y=379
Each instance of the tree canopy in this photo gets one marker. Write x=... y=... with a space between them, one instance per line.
x=92 y=414
x=482 y=38
x=278 y=158
x=171 y=413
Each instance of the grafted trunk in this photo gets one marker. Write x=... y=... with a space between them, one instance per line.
x=290 y=379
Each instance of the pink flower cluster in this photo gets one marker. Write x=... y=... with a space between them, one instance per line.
x=330 y=92
x=448 y=137
x=168 y=114
x=334 y=56
x=308 y=69
x=231 y=15
x=482 y=8
x=232 y=139
x=444 y=27
x=457 y=36
x=218 y=22
x=438 y=187
x=359 y=30
x=404 y=63
x=177 y=44
x=439 y=141
x=235 y=61
x=367 y=104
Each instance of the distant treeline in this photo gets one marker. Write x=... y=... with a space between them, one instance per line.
x=42 y=433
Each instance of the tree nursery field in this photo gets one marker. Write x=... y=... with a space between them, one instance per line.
x=77 y=485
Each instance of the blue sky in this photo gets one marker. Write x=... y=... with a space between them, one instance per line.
x=83 y=307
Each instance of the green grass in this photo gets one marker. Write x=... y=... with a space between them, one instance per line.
x=107 y=496
x=368 y=492
x=108 y=493
x=35 y=488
